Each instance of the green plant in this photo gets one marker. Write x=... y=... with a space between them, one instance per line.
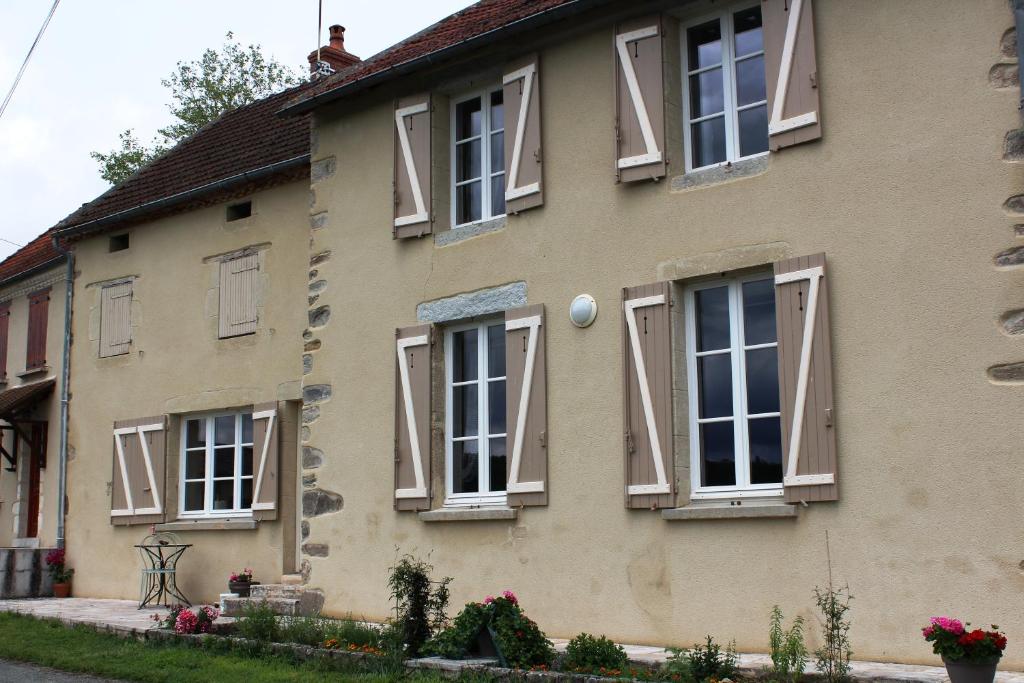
x=303 y=630
x=352 y=632
x=834 y=654
x=704 y=662
x=258 y=622
x=789 y=653
x=955 y=641
x=421 y=604
x=598 y=655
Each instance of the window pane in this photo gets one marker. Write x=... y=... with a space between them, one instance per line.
x=754 y=130
x=748 y=31
x=705 y=45
x=464 y=356
x=497 y=473
x=496 y=407
x=497 y=110
x=247 y=461
x=467 y=119
x=467 y=198
x=497 y=152
x=750 y=81
x=246 y=427
x=765 y=450
x=224 y=462
x=758 y=312
x=224 y=430
x=467 y=160
x=194 y=496
x=464 y=409
x=224 y=495
x=465 y=465
x=195 y=431
x=496 y=351
x=195 y=464
x=762 y=381
x=708 y=142
x=707 y=96
x=712 y=313
x=498 y=195
x=717 y=454
x=246 y=494
x=714 y=377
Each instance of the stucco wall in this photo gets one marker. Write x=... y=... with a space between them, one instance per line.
x=177 y=365
x=903 y=194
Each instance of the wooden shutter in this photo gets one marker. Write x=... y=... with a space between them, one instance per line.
x=137 y=494
x=523 y=159
x=647 y=386
x=412 y=417
x=5 y=317
x=266 y=448
x=38 y=306
x=639 y=100
x=526 y=407
x=792 y=72
x=238 y=295
x=412 y=167
x=115 y=319
x=805 y=379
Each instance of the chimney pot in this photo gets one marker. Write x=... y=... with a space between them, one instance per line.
x=337 y=37
x=333 y=56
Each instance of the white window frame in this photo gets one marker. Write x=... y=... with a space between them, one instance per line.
x=732 y=126
x=486 y=175
x=208 y=511
x=743 y=488
x=481 y=497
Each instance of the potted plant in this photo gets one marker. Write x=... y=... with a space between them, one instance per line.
x=970 y=656
x=241 y=583
x=60 y=572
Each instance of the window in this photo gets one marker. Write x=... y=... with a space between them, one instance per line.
x=238 y=211
x=118 y=243
x=38 y=308
x=479 y=155
x=238 y=307
x=115 y=319
x=475 y=429
x=217 y=466
x=732 y=369
x=724 y=103
x=5 y=316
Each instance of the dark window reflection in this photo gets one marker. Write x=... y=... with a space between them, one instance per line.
x=712 y=311
x=765 y=437
x=717 y=450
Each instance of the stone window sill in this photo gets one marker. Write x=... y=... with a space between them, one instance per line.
x=32 y=372
x=465 y=232
x=706 y=512
x=208 y=525
x=744 y=168
x=468 y=515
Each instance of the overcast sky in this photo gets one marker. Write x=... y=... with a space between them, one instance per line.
x=98 y=68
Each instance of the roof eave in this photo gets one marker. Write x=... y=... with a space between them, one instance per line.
x=38 y=268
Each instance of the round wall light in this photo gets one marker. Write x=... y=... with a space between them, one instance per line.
x=583 y=310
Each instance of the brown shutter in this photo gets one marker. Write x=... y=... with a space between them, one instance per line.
x=115 y=319
x=238 y=295
x=137 y=493
x=412 y=417
x=647 y=365
x=639 y=100
x=792 y=72
x=523 y=160
x=526 y=406
x=805 y=379
x=38 y=305
x=5 y=317
x=266 y=448
x=412 y=167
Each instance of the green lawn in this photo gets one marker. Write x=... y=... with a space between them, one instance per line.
x=81 y=649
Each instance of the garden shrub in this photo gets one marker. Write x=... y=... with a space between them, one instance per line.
x=352 y=632
x=420 y=603
x=702 y=662
x=258 y=622
x=303 y=630
x=833 y=657
x=585 y=653
x=518 y=637
x=789 y=654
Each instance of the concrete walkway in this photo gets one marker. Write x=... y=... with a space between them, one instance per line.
x=30 y=673
x=123 y=617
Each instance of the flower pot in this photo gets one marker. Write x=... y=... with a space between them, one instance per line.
x=961 y=671
x=61 y=590
x=241 y=588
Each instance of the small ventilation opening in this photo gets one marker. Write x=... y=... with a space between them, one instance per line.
x=118 y=242
x=239 y=210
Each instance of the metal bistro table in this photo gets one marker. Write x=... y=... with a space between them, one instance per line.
x=160 y=554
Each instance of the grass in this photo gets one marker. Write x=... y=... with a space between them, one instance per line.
x=82 y=650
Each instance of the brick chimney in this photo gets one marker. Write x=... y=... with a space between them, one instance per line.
x=333 y=54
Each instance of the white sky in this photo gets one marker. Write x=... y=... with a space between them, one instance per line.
x=98 y=68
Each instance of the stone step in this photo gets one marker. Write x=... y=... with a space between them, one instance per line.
x=276 y=590
x=236 y=607
x=291 y=579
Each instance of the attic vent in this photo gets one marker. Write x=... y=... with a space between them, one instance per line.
x=239 y=210
x=118 y=243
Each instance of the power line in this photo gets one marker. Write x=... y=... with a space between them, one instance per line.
x=17 y=79
x=3 y=239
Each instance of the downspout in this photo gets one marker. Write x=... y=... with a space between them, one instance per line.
x=1018 y=22
x=62 y=460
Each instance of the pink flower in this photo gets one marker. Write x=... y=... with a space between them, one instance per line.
x=186 y=622
x=927 y=632
x=511 y=597
x=954 y=626
x=489 y=599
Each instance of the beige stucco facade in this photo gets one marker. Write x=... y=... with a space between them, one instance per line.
x=177 y=366
x=903 y=194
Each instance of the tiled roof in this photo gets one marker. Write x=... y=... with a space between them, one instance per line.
x=36 y=253
x=242 y=140
x=14 y=401
x=476 y=20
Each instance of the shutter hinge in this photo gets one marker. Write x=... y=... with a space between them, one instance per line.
x=543 y=439
x=537 y=155
x=396 y=449
x=630 y=447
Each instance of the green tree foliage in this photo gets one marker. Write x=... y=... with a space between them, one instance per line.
x=201 y=91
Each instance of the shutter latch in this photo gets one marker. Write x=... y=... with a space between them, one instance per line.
x=543 y=439
x=828 y=417
x=630 y=448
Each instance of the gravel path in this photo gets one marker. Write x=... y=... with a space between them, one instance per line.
x=29 y=673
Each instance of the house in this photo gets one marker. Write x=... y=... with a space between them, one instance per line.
x=657 y=313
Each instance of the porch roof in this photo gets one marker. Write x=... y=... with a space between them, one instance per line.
x=15 y=400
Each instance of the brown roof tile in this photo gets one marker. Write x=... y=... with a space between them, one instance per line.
x=36 y=253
